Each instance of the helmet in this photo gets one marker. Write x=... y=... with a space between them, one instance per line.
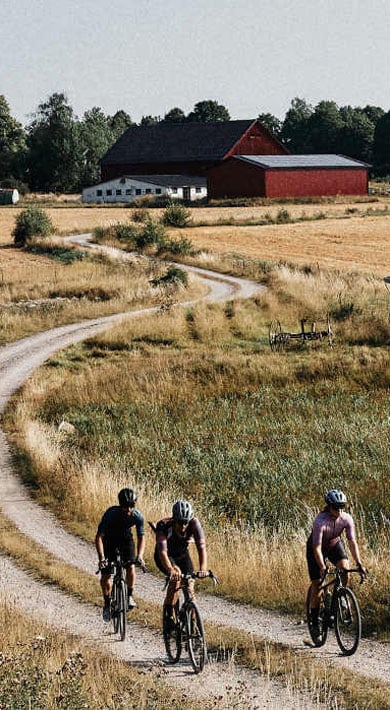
x=127 y=497
x=182 y=511
x=335 y=498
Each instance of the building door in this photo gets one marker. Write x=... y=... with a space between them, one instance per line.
x=186 y=193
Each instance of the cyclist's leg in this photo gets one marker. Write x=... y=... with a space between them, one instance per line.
x=128 y=557
x=315 y=577
x=339 y=558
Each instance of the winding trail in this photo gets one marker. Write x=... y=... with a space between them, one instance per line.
x=17 y=361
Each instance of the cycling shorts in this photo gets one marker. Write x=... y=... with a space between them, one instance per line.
x=333 y=554
x=184 y=563
x=127 y=551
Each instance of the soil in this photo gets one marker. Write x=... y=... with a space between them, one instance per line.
x=228 y=684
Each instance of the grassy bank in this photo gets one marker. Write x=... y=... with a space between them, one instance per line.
x=193 y=403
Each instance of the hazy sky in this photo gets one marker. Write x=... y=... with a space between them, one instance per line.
x=146 y=57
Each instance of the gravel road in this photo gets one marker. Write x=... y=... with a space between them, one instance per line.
x=224 y=681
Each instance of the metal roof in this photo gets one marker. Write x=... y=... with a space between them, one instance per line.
x=176 y=142
x=285 y=162
x=170 y=180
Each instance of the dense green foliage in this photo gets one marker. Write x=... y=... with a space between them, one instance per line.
x=176 y=215
x=31 y=222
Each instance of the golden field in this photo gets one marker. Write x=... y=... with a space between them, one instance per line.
x=342 y=240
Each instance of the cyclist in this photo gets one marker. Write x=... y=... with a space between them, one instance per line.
x=325 y=542
x=114 y=532
x=171 y=556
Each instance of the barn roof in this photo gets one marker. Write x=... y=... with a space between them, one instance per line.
x=170 y=180
x=285 y=162
x=170 y=142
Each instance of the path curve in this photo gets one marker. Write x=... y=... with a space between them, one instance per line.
x=17 y=361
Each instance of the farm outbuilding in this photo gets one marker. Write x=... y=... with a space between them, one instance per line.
x=287 y=176
x=9 y=196
x=131 y=187
x=185 y=148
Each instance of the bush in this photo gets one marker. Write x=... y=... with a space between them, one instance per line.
x=31 y=222
x=176 y=215
x=173 y=275
x=152 y=234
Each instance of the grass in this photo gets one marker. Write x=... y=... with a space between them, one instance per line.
x=195 y=402
x=47 y=661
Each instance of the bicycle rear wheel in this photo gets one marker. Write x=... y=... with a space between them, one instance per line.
x=348 y=623
x=195 y=638
x=172 y=633
x=122 y=609
x=320 y=638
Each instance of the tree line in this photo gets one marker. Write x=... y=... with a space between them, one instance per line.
x=59 y=152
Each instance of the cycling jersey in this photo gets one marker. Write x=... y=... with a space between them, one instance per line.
x=327 y=530
x=173 y=543
x=116 y=525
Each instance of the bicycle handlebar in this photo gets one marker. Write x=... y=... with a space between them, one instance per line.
x=336 y=571
x=195 y=575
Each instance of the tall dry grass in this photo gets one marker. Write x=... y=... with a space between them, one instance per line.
x=193 y=403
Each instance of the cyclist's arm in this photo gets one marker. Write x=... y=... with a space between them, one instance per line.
x=353 y=546
x=319 y=558
x=140 y=547
x=99 y=545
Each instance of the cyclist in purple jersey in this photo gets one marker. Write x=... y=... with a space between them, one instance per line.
x=325 y=542
x=171 y=556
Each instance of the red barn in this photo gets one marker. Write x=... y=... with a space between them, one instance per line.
x=287 y=176
x=185 y=148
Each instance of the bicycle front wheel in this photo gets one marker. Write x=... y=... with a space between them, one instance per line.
x=348 y=626
x=318 y=634
x=122 y=609
x=195 y=638
x=115 y=606
x=172 y=633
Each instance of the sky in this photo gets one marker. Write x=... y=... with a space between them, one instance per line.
x=146 y=57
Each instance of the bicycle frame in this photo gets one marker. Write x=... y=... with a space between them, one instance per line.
x=119 y=597
x=339 y=609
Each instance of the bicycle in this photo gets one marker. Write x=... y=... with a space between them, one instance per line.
x=339 y=609
x=118 y=601
x=186 y=626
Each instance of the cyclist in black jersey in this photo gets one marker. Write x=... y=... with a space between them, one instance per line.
x=114 y=532
x=171 y=556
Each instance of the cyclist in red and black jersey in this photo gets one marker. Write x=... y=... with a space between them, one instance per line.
x=173 y=536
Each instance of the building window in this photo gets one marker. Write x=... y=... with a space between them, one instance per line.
x=198 y=189
x=148 y=191
x=128 y=191
x=158 y=190
x=108 y=193
x=174 y=190
x=118 y=192
x=99 y=193
x=138 y=191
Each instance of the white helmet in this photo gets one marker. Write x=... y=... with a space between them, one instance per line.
x=335 y=498
x=182 y=511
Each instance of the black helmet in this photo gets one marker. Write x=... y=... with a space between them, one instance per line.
x=335 y=498
x=182 y=511
x=127 y=498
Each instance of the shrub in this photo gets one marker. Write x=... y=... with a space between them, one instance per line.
x=152 y=234
x=31 y=222
x=176 y=215
x=173 y=275
x=141 y=215
x=181 y=246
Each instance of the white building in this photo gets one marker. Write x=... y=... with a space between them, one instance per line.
x=131 y=187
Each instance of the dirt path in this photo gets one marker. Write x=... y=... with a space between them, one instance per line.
x=17 y=362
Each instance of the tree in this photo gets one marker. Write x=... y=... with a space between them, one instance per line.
x=271 y=122
x=54 y=150
x=356 y=136
x=95 y=138
x=324 y=126
x=295 y=128
x=175 y=115
x=119 y=123
x=12 y=145
x=150 y=120
x=382 y=145
x=208 y=112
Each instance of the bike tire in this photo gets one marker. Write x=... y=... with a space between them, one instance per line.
x=322 y=621
x=348 y=621
x=196 y=641
x=122 y=609
x=115 y=606
x=172 y=635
